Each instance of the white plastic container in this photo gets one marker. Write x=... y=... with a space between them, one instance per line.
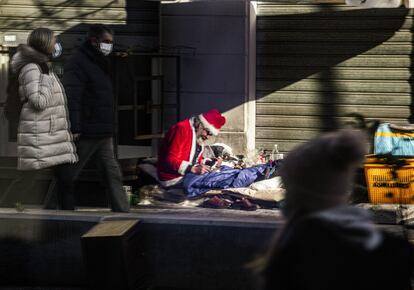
x=375 y=3
x=276 y=155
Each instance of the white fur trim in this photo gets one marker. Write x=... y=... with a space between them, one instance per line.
x=201 y=152
x=183 y=167
x=208 y=126
x=194 y=141
x=171 y=182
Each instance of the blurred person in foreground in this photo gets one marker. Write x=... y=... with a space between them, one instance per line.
x=326 y=244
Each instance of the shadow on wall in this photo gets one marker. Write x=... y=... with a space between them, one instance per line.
x=290 y=47
x=309 y=59
x=136 y=25
x=135 y=22
x=307 y=63
x=411 y=79
x=139 y=33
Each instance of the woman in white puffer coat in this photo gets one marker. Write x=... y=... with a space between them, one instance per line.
x=43 y=137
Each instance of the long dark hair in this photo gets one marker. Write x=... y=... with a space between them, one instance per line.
x=42 y=40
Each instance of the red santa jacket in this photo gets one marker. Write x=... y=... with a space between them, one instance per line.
x=177 y=152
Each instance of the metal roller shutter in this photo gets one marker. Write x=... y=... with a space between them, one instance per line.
x=316 y=64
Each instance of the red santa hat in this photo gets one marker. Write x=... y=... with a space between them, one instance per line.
x=212 y=120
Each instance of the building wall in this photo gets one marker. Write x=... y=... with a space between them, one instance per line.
x=136 y=24
x=212 y=37
x=214 y=64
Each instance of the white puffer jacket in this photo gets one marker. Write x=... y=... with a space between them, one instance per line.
x=44 y=137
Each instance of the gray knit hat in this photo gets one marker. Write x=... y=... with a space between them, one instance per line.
x=318 y=175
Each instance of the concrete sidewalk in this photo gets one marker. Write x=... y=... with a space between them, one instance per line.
x=181 y=248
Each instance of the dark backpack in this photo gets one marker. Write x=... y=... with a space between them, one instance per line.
x=14 y=103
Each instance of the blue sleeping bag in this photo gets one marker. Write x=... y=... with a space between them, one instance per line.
x=227 y=177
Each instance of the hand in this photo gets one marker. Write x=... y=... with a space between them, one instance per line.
x=200 y=169
x=76 y=136
x=218 y=162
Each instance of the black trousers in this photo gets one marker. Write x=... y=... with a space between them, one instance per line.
x=102 y=150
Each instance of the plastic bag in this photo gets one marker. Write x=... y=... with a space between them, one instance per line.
x=396 y=142
x=267 y=184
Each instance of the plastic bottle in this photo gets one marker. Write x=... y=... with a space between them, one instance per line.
x=128 y=191
x=274 y=152
x=276 y=155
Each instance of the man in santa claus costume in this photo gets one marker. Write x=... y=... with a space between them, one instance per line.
x=181 y=150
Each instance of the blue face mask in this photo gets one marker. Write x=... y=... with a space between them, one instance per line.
x=58 y=50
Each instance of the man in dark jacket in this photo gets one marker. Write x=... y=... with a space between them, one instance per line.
x=90 y=97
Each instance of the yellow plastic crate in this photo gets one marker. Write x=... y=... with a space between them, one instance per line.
x=383 y=187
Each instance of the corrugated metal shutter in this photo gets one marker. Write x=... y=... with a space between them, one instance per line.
x=318 y=63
